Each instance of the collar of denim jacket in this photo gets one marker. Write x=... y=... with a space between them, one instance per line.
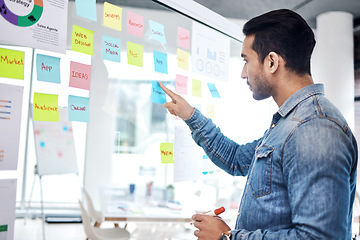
x=300 y=96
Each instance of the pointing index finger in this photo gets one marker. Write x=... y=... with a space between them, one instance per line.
x=167 y=91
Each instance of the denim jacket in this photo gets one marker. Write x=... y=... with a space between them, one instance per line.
x=301 y=175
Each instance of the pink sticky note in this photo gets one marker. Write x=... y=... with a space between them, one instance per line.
x=183 y=38
x=135 y=24
x=80 y=75
x=181 y=84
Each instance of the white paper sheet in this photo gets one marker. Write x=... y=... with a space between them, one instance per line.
x=7 y=208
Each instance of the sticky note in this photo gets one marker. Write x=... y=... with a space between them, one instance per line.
x=181 y=84
x=86 y=9
x=45 y=107
x=80 y=75
x=157 y=94
x=157 y=31
x=12 y=63
x=210 y=111
x=196 y=88
x=167 y=152
x=135 y=24
x=214 y=92
x=112 y=16
x=48 y=68
x=183 y=59
x=135 y=54
x=160 y=62
x=82 y=40
x=111 y=49
x=183 y=38
x=78 y=108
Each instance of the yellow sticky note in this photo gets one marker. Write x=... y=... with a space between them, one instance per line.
x=112 y=16
x=135 y=54
x=12 y=63
x=45 y=107
x=210 y=111
x=196 y=88
x=183 y=59
x=167 y=153
x=82 y=40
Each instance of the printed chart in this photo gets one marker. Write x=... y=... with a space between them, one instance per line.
x=22 y=21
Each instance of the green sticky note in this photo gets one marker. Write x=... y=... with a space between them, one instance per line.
x=167 y=153
x=135 y=54
x=12 y=63
x=196 y=88
x=45 y=107
x=82 y=40
x=3 y=228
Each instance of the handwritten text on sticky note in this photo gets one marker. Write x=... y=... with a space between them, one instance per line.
x=82 y=40
x=167 y=153
x=135 y=54
x=157 y=31
x=214 y=92
x=48 y=68
x=157 y=94
x=12 y=63
x=183 y=38
x=196 y=88
x=78 y=108
x=183 y=59
x=45 y=107
x=112 y=16
x=80 y=75
x=135 y=24
x=181 y=84
x=111 y=49
x=160 y=62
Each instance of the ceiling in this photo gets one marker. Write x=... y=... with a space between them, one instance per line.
x=308 y=9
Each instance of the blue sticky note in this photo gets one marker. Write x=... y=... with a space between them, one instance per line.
x=214 y=92
x=160 y=62
x=78 y=108
x=157 y=31
x=48 y=68
x=86 y=9
x=157 y=94
x=111 y=48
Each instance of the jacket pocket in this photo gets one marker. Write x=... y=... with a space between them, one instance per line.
x=260 y=177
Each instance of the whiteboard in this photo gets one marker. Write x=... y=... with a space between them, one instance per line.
x=54 y=144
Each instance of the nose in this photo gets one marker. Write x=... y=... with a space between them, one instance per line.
x=244 y=72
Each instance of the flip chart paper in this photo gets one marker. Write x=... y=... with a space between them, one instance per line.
x=86 y=9
x=112 y=16
x=78 y=108
x=12 y=63
x=45 y=107
x=7 y=208
x=82 y=40
x=135 y=24
x=48 y=68
x=183 y=39
x=135 y=54
x=11 y=98
x=80 y=75
x=157 y=31
x=157 y=94
x=183 y=59
x=167 y=153
x=214 y=92
x=181 y=84
x=160 y=62
x=196 y=88
x=111 y=48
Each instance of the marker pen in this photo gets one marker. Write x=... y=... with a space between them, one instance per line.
x=215 y=212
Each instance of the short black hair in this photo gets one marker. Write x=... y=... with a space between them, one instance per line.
x=285 y=32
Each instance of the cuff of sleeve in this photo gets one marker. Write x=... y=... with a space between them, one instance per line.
x=195 y=120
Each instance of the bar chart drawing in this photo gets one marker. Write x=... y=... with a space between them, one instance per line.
x=5 y=109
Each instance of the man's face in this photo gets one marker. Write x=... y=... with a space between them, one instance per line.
x=253 y=71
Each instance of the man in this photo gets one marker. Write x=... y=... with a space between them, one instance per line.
x=301 y=175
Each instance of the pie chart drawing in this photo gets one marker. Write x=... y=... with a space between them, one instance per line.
x=22 y=21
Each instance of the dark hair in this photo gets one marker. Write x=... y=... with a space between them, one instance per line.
x=286 y=33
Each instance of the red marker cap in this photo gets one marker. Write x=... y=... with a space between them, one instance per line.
x=219 y=210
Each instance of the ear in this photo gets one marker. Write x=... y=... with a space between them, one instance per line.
x=272 y=61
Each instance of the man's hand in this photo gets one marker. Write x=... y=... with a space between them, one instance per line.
x=209 y=227
x=178 y=105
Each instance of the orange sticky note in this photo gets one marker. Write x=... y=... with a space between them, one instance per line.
x=196 y=88
x=12 y=63
x=135 y=54
x=167 y=153
x=112 y=16
x=45 y=107
x=82 y=40
x=183 y=59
